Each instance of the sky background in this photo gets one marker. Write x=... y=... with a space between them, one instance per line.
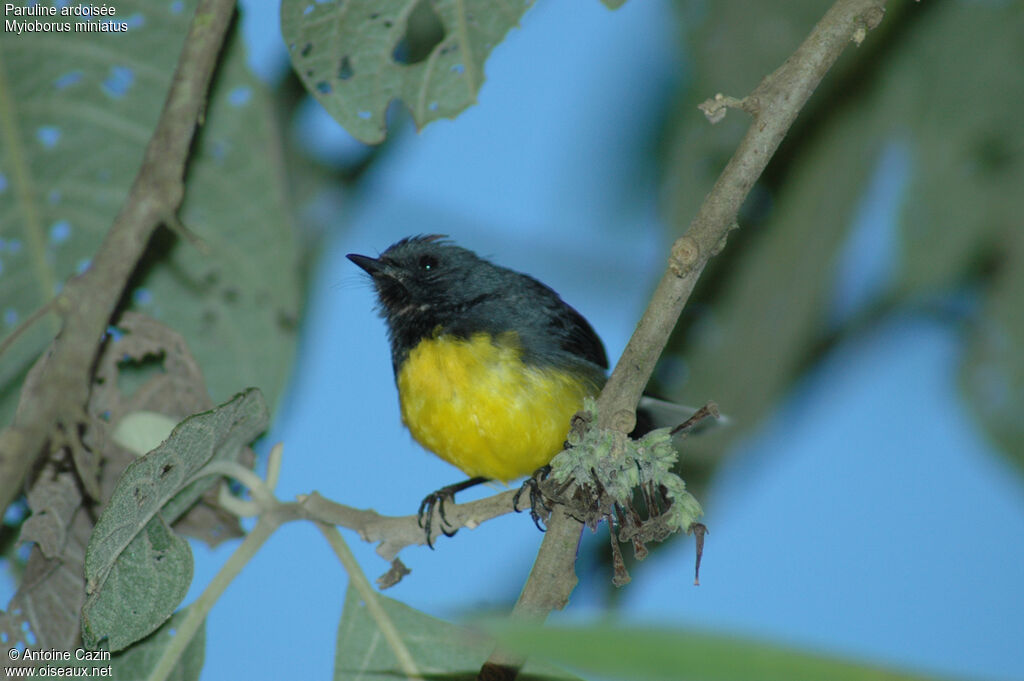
x=867 y=517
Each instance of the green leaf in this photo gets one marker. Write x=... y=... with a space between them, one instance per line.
x=968 y=159
x=138 y=661
x=440 y=649
x=667 y=655
x=76 y=111
x=143 y=586
x=356 y=56
x=919 y=86
x=137 y=570
x=238 y=305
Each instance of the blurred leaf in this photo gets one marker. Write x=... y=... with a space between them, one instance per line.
x=772 y=309
x=54 y=499
x=962 y=223
x=137 y=570
x=666 y=655
x=440 y=649
x=770 y=304
x=76 y=111
x=141 y=431
x=993 y=371
x=356 y=56
x=920 y=80
x=732 y=45
x=766 y=289
x=952 y=98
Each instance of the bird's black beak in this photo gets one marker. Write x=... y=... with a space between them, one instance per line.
x=372 y=266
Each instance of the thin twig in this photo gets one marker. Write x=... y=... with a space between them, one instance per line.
x=774 y=105
x=58 y=401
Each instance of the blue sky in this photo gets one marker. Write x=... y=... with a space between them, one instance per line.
x=867 y=516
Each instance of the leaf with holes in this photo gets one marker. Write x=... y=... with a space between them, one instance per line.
x=144 y=585
x=78 y=110
x=356 y=56
x=136 y=569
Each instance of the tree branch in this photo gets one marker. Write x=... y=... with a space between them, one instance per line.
x=774 y=105
x=397 y=532
x=51 y=410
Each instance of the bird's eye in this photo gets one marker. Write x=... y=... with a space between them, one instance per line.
x=428 y=262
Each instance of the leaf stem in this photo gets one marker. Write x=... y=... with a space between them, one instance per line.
x=361 y=584
x=197 y=612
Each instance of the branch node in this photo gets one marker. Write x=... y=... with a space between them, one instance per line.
x=872 y=17
x=178 y=227
x=624 y=421
x=716 y=107
x=684 y=256
x=720 y=246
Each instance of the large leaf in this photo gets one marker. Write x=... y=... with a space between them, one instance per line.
x=356 y=56
x=439 y=649
x=238 y=304
x=145 y=583
x=666 y=655
x=76 y=111
x=137 y=570
x=138 y=661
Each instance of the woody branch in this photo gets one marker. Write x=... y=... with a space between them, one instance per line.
x=773 y=107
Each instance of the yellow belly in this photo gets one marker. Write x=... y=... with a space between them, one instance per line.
x=477 y=406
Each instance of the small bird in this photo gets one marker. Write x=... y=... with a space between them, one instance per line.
x=490 y=363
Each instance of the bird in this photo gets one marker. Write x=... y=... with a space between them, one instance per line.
x=490 y=363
